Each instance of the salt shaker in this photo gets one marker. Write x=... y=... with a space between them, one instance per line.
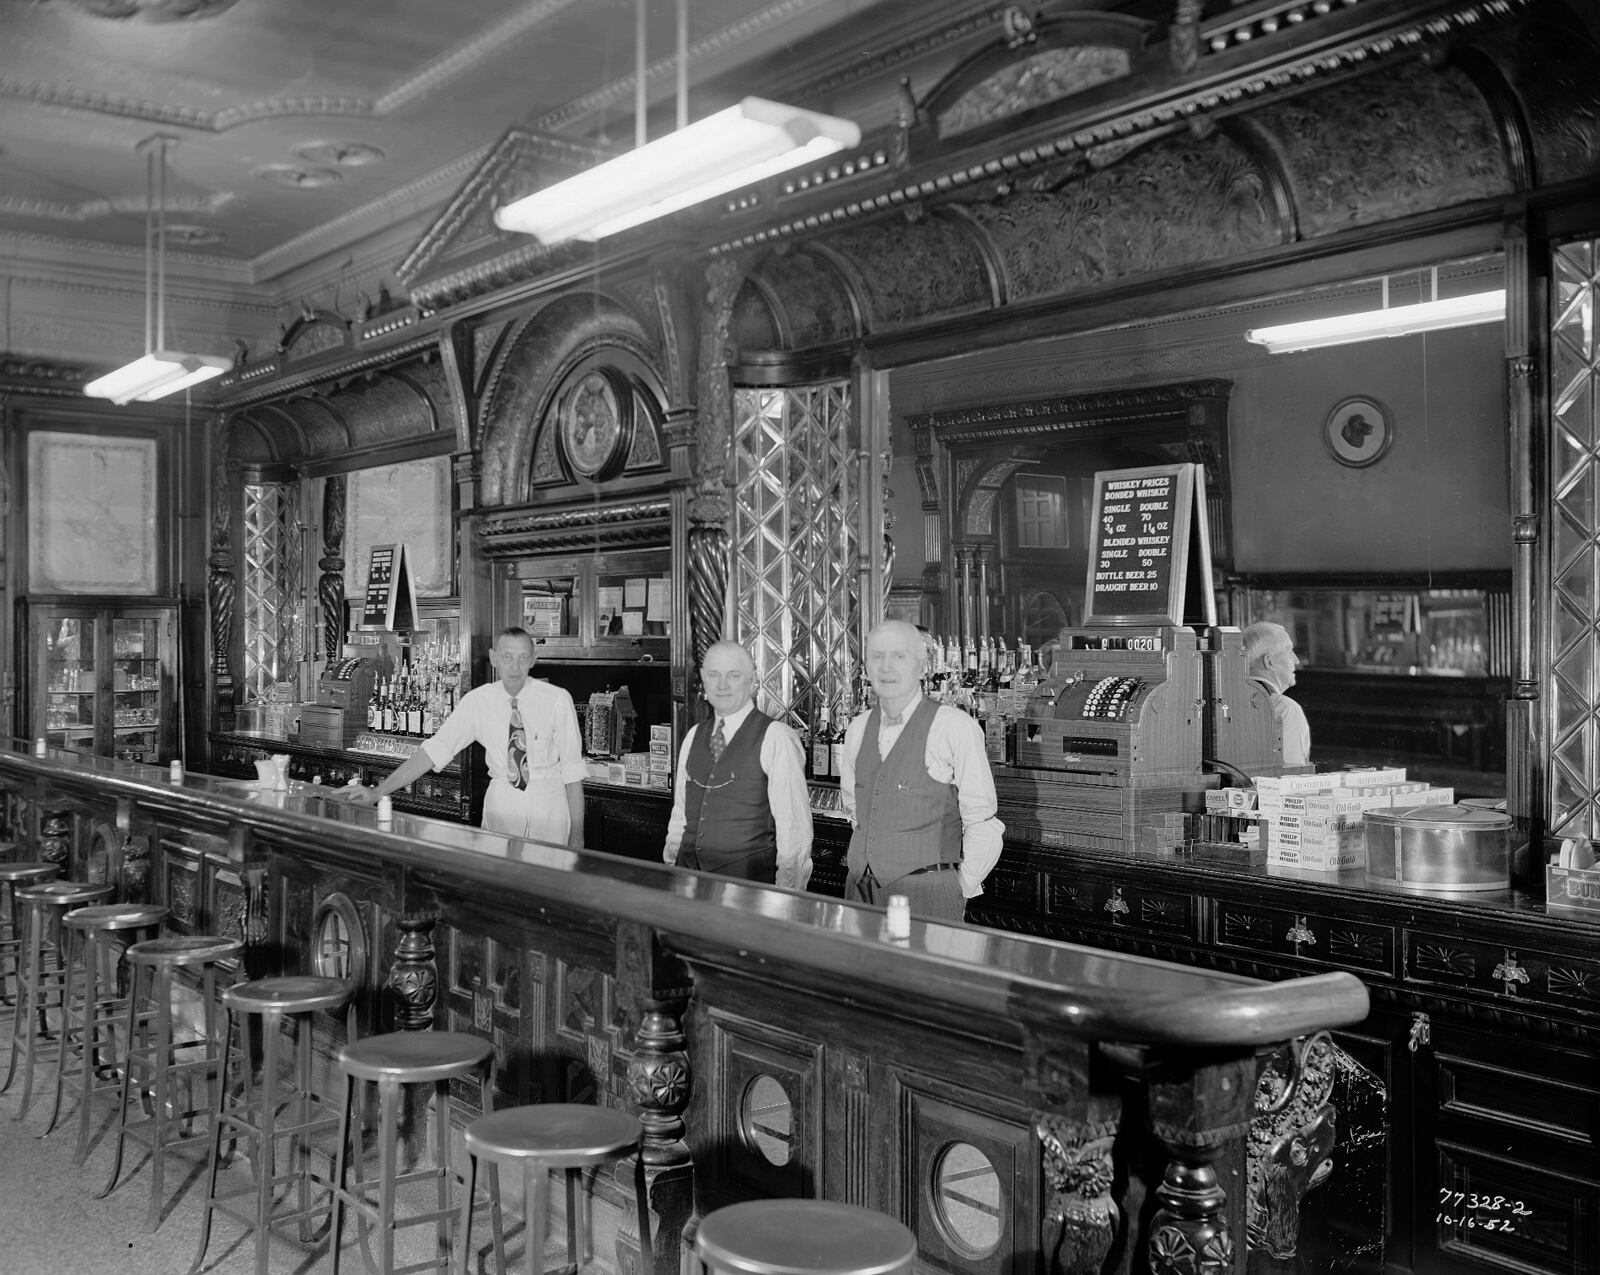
x=40 y=748
x=897 y=923
x=385 y=811
x=175 y=771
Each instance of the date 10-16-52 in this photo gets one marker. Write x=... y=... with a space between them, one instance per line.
x=1479 y=1212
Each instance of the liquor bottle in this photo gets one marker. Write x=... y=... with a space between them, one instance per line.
x=804 y=731
x=389 y=722
x=819 y=746
x=836 y=746
x=372 y=708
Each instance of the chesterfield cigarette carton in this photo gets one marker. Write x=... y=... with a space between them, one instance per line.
x=1283 y=785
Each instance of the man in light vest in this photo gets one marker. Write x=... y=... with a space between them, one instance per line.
x=917 y=788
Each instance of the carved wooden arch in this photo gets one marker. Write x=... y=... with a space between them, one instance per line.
x=527 y=372
x=809 y=297
x=978 y=495
x=1029 y=70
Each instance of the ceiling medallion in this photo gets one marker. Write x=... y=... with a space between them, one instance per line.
x=298 y=176
x=156 y=10
x=338 y=154
x=192 y=236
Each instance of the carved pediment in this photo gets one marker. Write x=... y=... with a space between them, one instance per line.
x=315 y=333
x=1032 y=67
x=464 y=236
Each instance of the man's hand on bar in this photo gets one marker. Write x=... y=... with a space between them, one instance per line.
x=356 y=795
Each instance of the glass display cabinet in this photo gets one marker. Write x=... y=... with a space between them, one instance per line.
x=103 y=679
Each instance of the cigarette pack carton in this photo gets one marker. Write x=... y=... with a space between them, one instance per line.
x=635 y=778
x=1365 y=776
x=636 y=761
x=1286 y=784
x=616 y=773
x=662 y=734
x=1333 y=851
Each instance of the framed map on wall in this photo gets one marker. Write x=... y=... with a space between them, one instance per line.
x=405 y=504
x=92 y=504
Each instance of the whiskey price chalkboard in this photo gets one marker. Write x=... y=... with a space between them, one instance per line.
x=390 y=602
x=1147 y=546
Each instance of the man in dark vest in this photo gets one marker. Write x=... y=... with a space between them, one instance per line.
x=917 y=787
x=740 y=804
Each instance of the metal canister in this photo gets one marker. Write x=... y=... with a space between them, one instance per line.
x=1440 y=849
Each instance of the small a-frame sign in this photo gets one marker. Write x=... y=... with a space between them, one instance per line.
x=1149 y=548
x=391 y=602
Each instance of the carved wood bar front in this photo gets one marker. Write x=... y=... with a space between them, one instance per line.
x=1021 y=1105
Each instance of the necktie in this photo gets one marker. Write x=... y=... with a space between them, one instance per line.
x=719 y=741
x=517 y=753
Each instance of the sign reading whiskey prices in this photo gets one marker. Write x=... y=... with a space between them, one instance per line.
x=1147 y=547
x=390 y=602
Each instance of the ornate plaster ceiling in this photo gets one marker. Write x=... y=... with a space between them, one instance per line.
x=307 y=126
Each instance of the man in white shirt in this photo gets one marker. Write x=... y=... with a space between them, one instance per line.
x=917 y=788
x=740 y=803
x=1270 y=661
x=531 y=744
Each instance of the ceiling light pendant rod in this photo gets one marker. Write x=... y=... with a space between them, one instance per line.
x=640 y=100
x=161 y=240
x=683 y=63
x=149 y=246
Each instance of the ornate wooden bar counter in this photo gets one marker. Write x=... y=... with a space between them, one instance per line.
x=1022 y=1105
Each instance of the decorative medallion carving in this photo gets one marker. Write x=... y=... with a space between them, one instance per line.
x=1550 y=67
x=1441 y=958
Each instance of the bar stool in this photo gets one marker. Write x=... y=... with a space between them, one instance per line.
x=94 y=939
x=297 y=1113
x=40 y=989
x=802 y=1237
x=546 y=1136
x=13 y=875
x=152 y=1050
x=390 y=1061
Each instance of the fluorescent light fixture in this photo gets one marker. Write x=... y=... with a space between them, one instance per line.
x=160 y=371
x=1400 y=320
x=157 y=374
x=726 y=151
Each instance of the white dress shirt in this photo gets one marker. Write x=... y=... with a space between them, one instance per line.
x=955 y=755
x=555 y=748
x=783 y=763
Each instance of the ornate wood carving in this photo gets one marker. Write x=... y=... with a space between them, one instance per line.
x=516 y=533
x=330 y=584
x=659 y=1080
x=891 y=258
x=55 y=838
x=413 y=982
x=1291 y=1141
x=1194 y=1116
x=709 y=550
x=1080 y=1216
x=221 y=587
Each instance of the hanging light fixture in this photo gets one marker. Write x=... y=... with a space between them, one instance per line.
x=1369 y=325
x=731 y=149
x=160 y=371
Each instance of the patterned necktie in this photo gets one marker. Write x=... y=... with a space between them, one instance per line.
x=719 y=741
x=517 y=754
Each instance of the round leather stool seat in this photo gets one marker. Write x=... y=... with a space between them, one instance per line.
x=803 y=1237
x=560 y=1135
x=414 y=1057
x=115 y=916
x=95 y=938
x=63 y=893
x=293 y=994
x=25 y=872
x=535 y=1139
x=197 y=949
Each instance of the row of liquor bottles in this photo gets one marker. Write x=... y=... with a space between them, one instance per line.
x=984 y=678
x=413 y=702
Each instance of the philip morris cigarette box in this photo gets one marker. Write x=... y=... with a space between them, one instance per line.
x=1333 y=852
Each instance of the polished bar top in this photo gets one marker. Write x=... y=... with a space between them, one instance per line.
x=1078 y=990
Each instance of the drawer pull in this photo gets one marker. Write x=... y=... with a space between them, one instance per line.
x=1116 y=904
x=1300 y=934
x=1508 y=973
x=1421 y=1032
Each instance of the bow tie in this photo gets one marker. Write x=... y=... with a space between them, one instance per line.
x=894 y=719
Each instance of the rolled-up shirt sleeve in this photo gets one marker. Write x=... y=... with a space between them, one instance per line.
x=955 y=755
x=678 y=820
x=789 y=799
